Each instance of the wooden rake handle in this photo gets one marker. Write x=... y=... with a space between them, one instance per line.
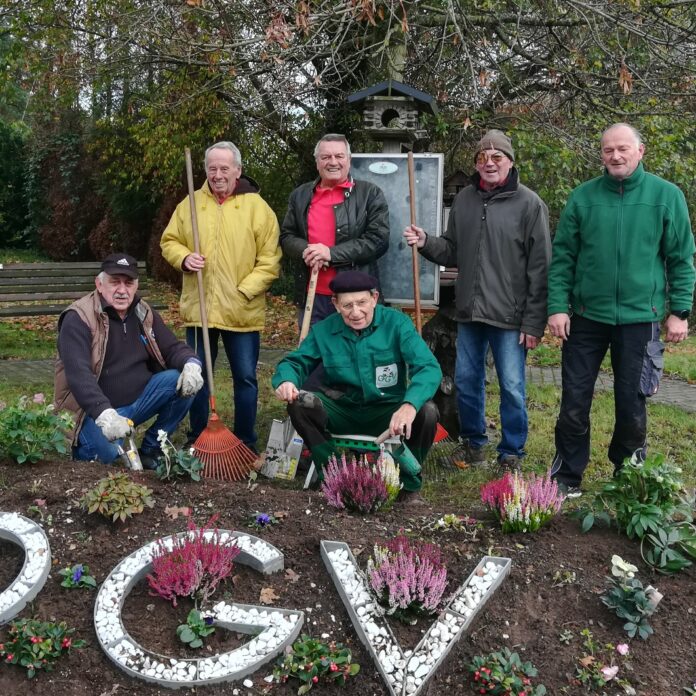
x=414 y=250
x=199 y=278
x=309 y=303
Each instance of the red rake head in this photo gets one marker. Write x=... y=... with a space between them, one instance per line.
x=224 y=455
x=440 y=433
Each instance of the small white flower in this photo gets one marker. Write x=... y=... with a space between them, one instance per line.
x=162 y=437
x=621 y=568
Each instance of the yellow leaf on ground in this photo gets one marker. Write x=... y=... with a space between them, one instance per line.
x=174 y=512
x=268 y=596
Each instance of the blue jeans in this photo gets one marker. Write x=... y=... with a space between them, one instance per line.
x=242 y=349
x=158 y=398
x=473 y=339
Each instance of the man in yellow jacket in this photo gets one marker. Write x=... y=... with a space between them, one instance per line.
x=240 y=258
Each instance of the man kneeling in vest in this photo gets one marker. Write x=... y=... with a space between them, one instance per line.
x=118 y=363
x=378 y=374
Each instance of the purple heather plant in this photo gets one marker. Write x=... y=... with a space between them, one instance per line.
x=195 y=565
x=408 y=578
x=359 y=485
x=522 y=504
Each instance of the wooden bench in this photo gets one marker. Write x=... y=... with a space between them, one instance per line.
x=36 y=289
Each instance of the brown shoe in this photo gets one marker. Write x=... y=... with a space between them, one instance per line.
x=464 y=455
x=410 y=498
x=509 y=463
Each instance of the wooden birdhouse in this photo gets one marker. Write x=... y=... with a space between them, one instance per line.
x=392 y=113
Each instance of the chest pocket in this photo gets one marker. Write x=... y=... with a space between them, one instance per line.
x=340 y=370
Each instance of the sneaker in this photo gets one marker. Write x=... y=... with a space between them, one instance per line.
x=465 y=455
x=509 y=463
x=569 y=491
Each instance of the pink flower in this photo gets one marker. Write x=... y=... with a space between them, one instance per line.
x=39 y=399
x=609 y=672
x=622 y=648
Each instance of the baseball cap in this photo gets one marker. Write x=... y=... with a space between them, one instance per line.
x=120 y=264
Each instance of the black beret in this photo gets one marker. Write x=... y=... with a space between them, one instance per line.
x=353 y=281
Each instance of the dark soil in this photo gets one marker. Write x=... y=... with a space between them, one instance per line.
x=526 y=614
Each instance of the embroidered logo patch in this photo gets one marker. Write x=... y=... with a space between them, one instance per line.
x=386 y=376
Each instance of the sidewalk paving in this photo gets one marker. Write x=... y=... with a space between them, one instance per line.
x=674 y=392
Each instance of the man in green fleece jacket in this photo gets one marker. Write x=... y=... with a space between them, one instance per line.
x=623 y=258
x=378 y=374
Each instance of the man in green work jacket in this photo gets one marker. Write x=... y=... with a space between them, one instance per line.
x=623 y=260
x=379 y=375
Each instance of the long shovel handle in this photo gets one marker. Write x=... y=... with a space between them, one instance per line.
x=414 y=250
x=199 y=278
x=309 y=304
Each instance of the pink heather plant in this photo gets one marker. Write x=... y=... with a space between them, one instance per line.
x=360 y=486
x=196 y=564
x=407 y=577
x=522 y=504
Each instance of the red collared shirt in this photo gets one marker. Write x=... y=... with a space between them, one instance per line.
x=321 y=225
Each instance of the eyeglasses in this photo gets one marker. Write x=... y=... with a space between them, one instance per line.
x=483 y=157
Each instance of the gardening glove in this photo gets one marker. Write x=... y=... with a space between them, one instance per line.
x=113 y=426
x=190 y=380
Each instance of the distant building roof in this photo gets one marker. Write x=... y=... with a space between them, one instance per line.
x=393 y=88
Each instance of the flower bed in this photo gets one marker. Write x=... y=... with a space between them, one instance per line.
x=527 y=613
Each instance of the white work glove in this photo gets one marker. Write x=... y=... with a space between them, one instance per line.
x=113 y=426
x=190 y=380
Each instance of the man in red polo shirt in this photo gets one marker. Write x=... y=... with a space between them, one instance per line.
x=335 y=223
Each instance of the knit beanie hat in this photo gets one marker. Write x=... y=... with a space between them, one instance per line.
x=496 y=140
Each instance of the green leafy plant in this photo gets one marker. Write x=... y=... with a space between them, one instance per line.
x=598 y=664
x=261 y=520
x=39 y=511
x=195 y=629
x=77 y=576
x=646 y=500
x=629 y=600
x=690 y=690
x=177 y=463
x=665 y=549
x=32 y=429
x=564 y=577
x=456 y=523
x=117 y=497
x=312 y=661
x=565 y=637
x=37 y=645
x=503 y=673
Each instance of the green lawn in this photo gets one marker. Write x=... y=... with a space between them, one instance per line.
x=21 y=256
x=670 y=430
x=680 y=358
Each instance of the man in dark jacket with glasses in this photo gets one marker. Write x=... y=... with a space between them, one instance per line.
x=498 y=237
